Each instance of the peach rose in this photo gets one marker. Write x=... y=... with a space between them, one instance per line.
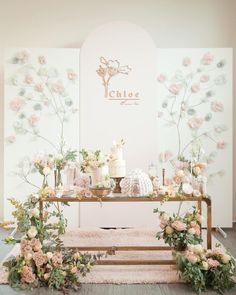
x=212 y=263
x=27 y=275
x=57 y=259
x=40 y=258
x=36 y=244
x=178 y=225
x=225 y=258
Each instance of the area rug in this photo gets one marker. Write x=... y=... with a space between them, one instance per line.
x=120 y=274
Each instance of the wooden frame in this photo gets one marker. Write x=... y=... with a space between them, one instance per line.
x=113 y=249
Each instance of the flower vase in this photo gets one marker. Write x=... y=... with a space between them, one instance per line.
x=96 y=176
x=58 y=178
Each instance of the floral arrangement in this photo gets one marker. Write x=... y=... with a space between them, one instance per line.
x=179 y=231
x=91 y=160
x=203 y=268
x=108 y=182
x=43 y=261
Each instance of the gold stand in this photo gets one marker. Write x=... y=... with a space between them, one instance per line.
x=117 y=189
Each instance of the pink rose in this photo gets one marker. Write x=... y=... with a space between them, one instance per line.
x=29 y=79
x=221 y=145
x=207 y=58
x=212 y=263
x=175 y=88
x=177 y=179
x=192 y=258
x=204 y=78
x=195 y=123
x=165 y=156
x=218 y=251
x=161 y=78
x=217 y=106
x=195 y=88
x=180 y=164
x=186 y=62
x=16 y=104
x=178 y=225
x=33 y=120
x=39 y=87
x=42 y=60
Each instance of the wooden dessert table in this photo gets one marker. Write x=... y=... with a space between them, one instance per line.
x=119 y=198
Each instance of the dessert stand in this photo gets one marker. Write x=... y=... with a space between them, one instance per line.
x=111 y=249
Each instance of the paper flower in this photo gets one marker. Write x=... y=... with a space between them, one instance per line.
x=195 y=123
x=207 y=59
x=16 y=104
x=217 y=106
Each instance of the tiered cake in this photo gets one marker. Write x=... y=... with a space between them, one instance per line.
x=117 y=167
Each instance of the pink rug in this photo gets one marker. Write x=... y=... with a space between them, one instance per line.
x=120 y=274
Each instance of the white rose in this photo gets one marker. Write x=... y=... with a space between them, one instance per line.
x=169 y=230
x=59 y=157
x=35 y=212
x=205 y=265
x=164 y=217
x=191 y=231
x=49 y=255
x=46 y=170
x=32 y=232
x=180 y=173
x=28 y=256
x=196 y=193
x=198 y=249
x=225 y=258
x=197 y=170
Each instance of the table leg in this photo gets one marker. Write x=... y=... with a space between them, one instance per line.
x=209 y=225
x=41 y=209
x=199 y=208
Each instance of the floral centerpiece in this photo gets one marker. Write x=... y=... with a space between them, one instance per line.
x=204 y=269
x=179 y=231
x=104 y=187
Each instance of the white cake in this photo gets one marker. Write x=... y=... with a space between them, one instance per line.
x=117 y=166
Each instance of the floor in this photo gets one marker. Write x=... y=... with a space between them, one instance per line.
x=155 y=289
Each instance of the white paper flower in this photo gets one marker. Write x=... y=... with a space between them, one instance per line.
x=187 y=189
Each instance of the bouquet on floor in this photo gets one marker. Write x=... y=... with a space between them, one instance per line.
x=204 y=269
x=179 y=231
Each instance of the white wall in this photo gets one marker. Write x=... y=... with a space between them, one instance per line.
x=66 y=23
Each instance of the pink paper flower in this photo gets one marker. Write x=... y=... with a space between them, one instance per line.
x=39 y=87
x=160 y=114
x=16 y=104
x=23 y=56
x=207 y=58
x=212 y=263
x=175 y=88
x=178 y=225
x=29 y=79
x=186 y=62
x=58 y=87
x=71 y=75
x=195 y=88
x=165 y=156
x=217 y=106
x=221 y=145
x=42 y=60
x=195 y=123
x=33 y=120
x=161 y=78
x=204 y=78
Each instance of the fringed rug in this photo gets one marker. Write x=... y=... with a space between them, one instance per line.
x=120 y=274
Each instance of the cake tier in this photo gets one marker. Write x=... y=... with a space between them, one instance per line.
x=117 y=168
x=117 y=153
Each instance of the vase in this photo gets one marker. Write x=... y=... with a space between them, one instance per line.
x=98 y=174
x=58 y=178
x=45 y=181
